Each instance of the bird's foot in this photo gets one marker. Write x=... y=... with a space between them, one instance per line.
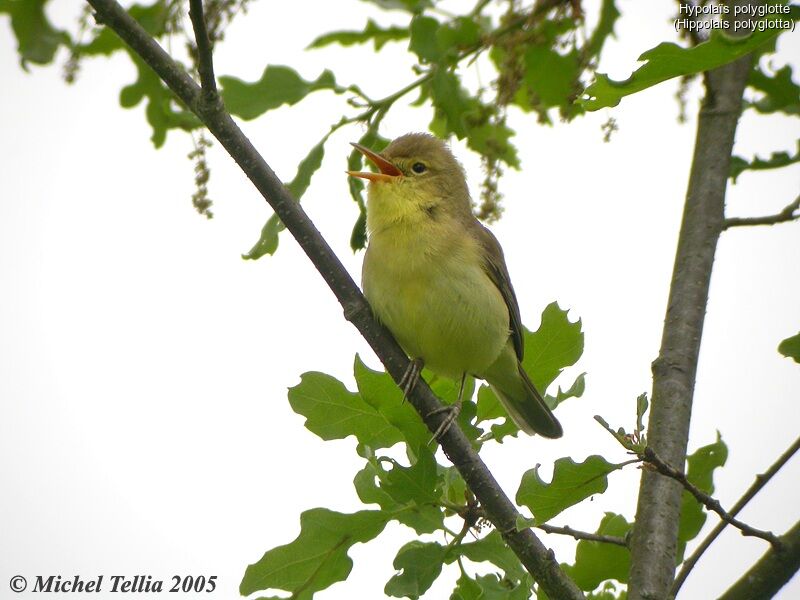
x=410 y=378
x=451 y=412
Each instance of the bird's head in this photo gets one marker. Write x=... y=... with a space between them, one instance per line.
x=417 y=177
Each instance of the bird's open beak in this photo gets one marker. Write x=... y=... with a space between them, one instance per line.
x=387 y=170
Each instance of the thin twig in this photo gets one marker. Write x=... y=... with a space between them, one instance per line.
x=710 y=503
x=758 y=484
x=537 y=559
x=476 y=11
x=584 y=535
x=787 y=214
x=205 y=60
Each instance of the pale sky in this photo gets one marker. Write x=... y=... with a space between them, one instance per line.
x=144 y=426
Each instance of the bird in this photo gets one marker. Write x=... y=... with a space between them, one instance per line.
x=436 y=277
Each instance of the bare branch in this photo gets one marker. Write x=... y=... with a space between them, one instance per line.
x=584 y=535
x=790 y=213
x=758 y=484
x=205 y=60
x=710 y=503
x=536 y=558
x=771 y=572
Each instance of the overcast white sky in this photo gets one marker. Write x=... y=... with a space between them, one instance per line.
x=144 y=427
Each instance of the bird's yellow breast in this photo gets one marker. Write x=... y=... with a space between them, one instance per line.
x=423 y=276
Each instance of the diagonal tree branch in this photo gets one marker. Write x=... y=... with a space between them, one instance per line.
x=789 y=213
x=710 y=503
x=205 y=60
x=760 y=482
x=655 y=534
x=536 y=558
x=771 y=573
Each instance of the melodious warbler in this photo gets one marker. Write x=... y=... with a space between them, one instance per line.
x=436 y=277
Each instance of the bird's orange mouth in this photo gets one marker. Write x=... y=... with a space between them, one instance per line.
x=387 y=170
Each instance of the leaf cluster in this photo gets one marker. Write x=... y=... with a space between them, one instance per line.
x=542 y=58
x=417 y=491
x=432 y=500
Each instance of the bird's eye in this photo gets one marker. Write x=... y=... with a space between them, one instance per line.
x=418 y=167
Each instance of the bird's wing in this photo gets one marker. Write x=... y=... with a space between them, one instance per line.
x=495 y=266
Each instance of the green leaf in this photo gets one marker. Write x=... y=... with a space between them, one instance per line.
x=372 y=32
x=790 y=348
x=163 y=110
x=458 y=34
x=780 y=92
x=358 y=237
x=421 y=518
x=489 y=406
x=454 y=488
x=775 y=161
x=454 y=107
x=268 y=240
x=492 y=549
x=597 y=561
x=416 y=483
x=278 y=85
x=494 y=588
x=435 y=42
x=420 y=564
x=368 y=490
x=355 y=161
x=160 y=100
x=642 y=404
x=700 y=472
x=492 y=139
x=668 y=60
x=423 y=41
x=153 y=18
x=572 y=482
x=629 y=441
x=459 y=113
x=702 y=463
x=307 y=167
x=332 y=412
x=380 y=392
x=574 y=391
x=605 y=28
x=608 y=592
x=466 y=589
x=37 y=39
x=318 y=556
x=503 y=430
x=557 y=344
x=551 y=78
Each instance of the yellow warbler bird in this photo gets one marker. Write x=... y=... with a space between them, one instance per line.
x=437 y=278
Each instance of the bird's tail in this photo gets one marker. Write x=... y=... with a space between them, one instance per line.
x=521 y=399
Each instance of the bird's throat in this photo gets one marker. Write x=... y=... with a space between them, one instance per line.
x=394 y=204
